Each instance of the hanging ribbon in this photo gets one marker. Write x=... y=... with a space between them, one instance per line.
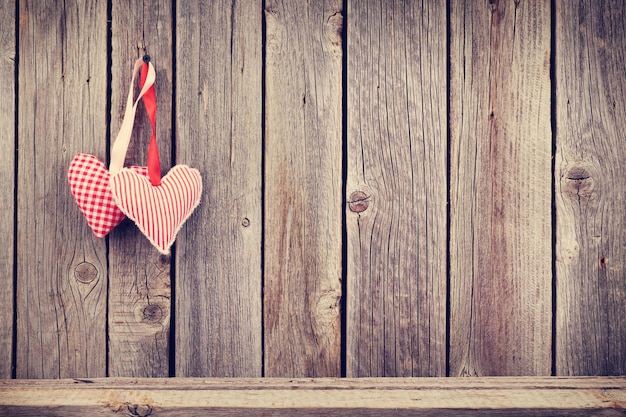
x=120 y=146
x=158 y=206
x=149 y=101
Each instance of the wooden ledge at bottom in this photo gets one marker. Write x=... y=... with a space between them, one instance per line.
x=549 y=396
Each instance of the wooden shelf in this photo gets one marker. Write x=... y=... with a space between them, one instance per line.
x=330 y=397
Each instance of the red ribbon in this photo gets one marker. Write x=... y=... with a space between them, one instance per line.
x=149 y=101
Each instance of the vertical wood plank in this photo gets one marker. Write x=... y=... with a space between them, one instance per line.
x=303 y=187
x=500 y=231
x=396 y=189
x=590 y=181
x=7 y=179
x=139 y=277
x=61 y=266
x=218 y=131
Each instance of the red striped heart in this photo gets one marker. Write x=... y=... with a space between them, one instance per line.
x=159 y=211
x=89 y=184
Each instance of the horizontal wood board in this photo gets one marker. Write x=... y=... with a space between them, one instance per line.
x=315 y=397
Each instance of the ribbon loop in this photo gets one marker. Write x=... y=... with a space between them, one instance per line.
x=120 y=146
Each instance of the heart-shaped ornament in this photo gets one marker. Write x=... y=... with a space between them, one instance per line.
x=159 y=211
x=89 y=183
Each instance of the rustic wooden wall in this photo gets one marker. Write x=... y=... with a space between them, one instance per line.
x=391 y=188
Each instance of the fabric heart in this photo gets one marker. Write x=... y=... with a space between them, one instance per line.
x=89 y=184
x=159 y=211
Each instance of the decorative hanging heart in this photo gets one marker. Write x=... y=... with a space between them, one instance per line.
x=89 y=183
x=88 y=177
x=159 y=211
x=159 y=206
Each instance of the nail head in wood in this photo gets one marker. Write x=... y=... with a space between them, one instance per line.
x=164 y=260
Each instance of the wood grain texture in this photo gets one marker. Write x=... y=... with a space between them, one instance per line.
x=61 y=266
x=7 y=182
x=218 y=131
x=590 y=182
x=396 y=189
x=303 y=183
x=500 y=188
x=316 y=397
x=139 y=277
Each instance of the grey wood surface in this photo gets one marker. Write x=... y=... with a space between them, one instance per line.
x=61 y=266
x=303 y=188
x=139 y=277
x=218 y=130
x=396 y=189
x=322 y=146
x=500 y=189
x=8 y=59
x=590 y=182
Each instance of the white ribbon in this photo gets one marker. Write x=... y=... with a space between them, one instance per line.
x=120 y=146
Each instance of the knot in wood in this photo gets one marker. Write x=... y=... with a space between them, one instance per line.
x=334 y=29
x=579 y=183
x=85 y=272
x=359 y=202
x=152 y=313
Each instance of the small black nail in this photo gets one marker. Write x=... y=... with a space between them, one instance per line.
x=146 y=58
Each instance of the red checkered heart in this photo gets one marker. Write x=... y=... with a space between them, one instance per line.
x=159 y=211
x=89 y=183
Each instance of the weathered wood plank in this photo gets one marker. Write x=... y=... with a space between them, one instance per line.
x=7 y=179
x=396 y=189
x=61 y=266
x=218 y=131
x=139 y=278
x=328 y=397
x=500 y=188
x=590 y=181
x=303 y=187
